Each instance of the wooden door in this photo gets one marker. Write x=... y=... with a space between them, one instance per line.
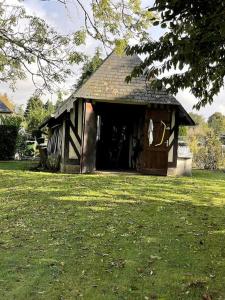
x=154 y=156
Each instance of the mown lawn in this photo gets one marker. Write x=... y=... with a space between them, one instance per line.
x=111 y=236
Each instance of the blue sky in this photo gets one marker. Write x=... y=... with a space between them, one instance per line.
x=67 y=20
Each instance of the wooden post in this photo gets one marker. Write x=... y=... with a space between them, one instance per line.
x=88 y=156
x=65 y=139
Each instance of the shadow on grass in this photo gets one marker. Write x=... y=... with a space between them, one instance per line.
x=24 y=165
x=112 y=236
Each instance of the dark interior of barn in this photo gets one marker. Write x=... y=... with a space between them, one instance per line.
x=118 y=136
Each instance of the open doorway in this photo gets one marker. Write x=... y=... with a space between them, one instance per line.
x=118 y=136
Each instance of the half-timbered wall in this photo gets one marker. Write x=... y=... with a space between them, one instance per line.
x=172 y=137
x=55 y=141
x=75 y=131
x=71 y=138
x=173 y=141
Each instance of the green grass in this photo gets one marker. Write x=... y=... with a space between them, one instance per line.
x=18 y=165
x=111 y=236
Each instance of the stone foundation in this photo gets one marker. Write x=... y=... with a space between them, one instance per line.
x=69 y=168
x=184 y=167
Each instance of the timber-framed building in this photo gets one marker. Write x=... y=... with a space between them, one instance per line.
x=108 y=124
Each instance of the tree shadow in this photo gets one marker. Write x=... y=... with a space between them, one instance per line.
x=140 y=235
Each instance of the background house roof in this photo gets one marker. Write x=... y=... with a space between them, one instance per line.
x=4 y=109
x=5 y=105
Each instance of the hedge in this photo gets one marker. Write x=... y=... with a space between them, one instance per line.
x=8 y=136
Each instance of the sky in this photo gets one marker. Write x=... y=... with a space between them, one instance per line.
x=67 y=20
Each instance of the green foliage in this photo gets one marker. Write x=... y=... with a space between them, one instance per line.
x=108 y=236
x=209 y=154
x=59 y=99
x=18 y=122
x=80 y=37
x=8 y=138
x=32 y=104
x=36 y=112
x=193 y=45
x=51 y=54
x=217 y=122
x=205 y=145
x=49 y=106
x=183 y=131
x=37 y=44
x=76 y=57
x=195 y=137
x=116 y=20
x=12 y=120
x=121 y=45
x=198 y=119
x=89 y=67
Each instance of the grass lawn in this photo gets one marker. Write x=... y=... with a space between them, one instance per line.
x=111 y=236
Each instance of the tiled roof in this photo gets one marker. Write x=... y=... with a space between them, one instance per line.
x=108 y=83
x=4 y=108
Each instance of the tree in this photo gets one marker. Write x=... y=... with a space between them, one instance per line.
x=209 y=154
x=29 y=45
x=59 y=99
x=183 y=131
x=196 y=136
x=198 y=119
x=39 y=50
x=32 y=104
x=9 y=135
x=113 y=22
x=49 y=107
x=192 y=47
x=12 y=120
x=36 y=112
x=89 y=67
x=217 y=122
x=205 y=145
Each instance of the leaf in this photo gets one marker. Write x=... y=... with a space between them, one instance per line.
x=156 y=23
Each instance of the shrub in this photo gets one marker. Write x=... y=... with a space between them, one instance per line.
x=209 y=152
x=8 y=138
x=53 y=162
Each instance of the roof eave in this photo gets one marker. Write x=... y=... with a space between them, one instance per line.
x=46 y=121
x=186 y=119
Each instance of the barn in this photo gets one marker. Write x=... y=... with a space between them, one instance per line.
x=108 y=124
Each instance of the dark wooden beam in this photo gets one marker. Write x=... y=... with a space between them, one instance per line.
x=76 y=108
x=66 y=129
